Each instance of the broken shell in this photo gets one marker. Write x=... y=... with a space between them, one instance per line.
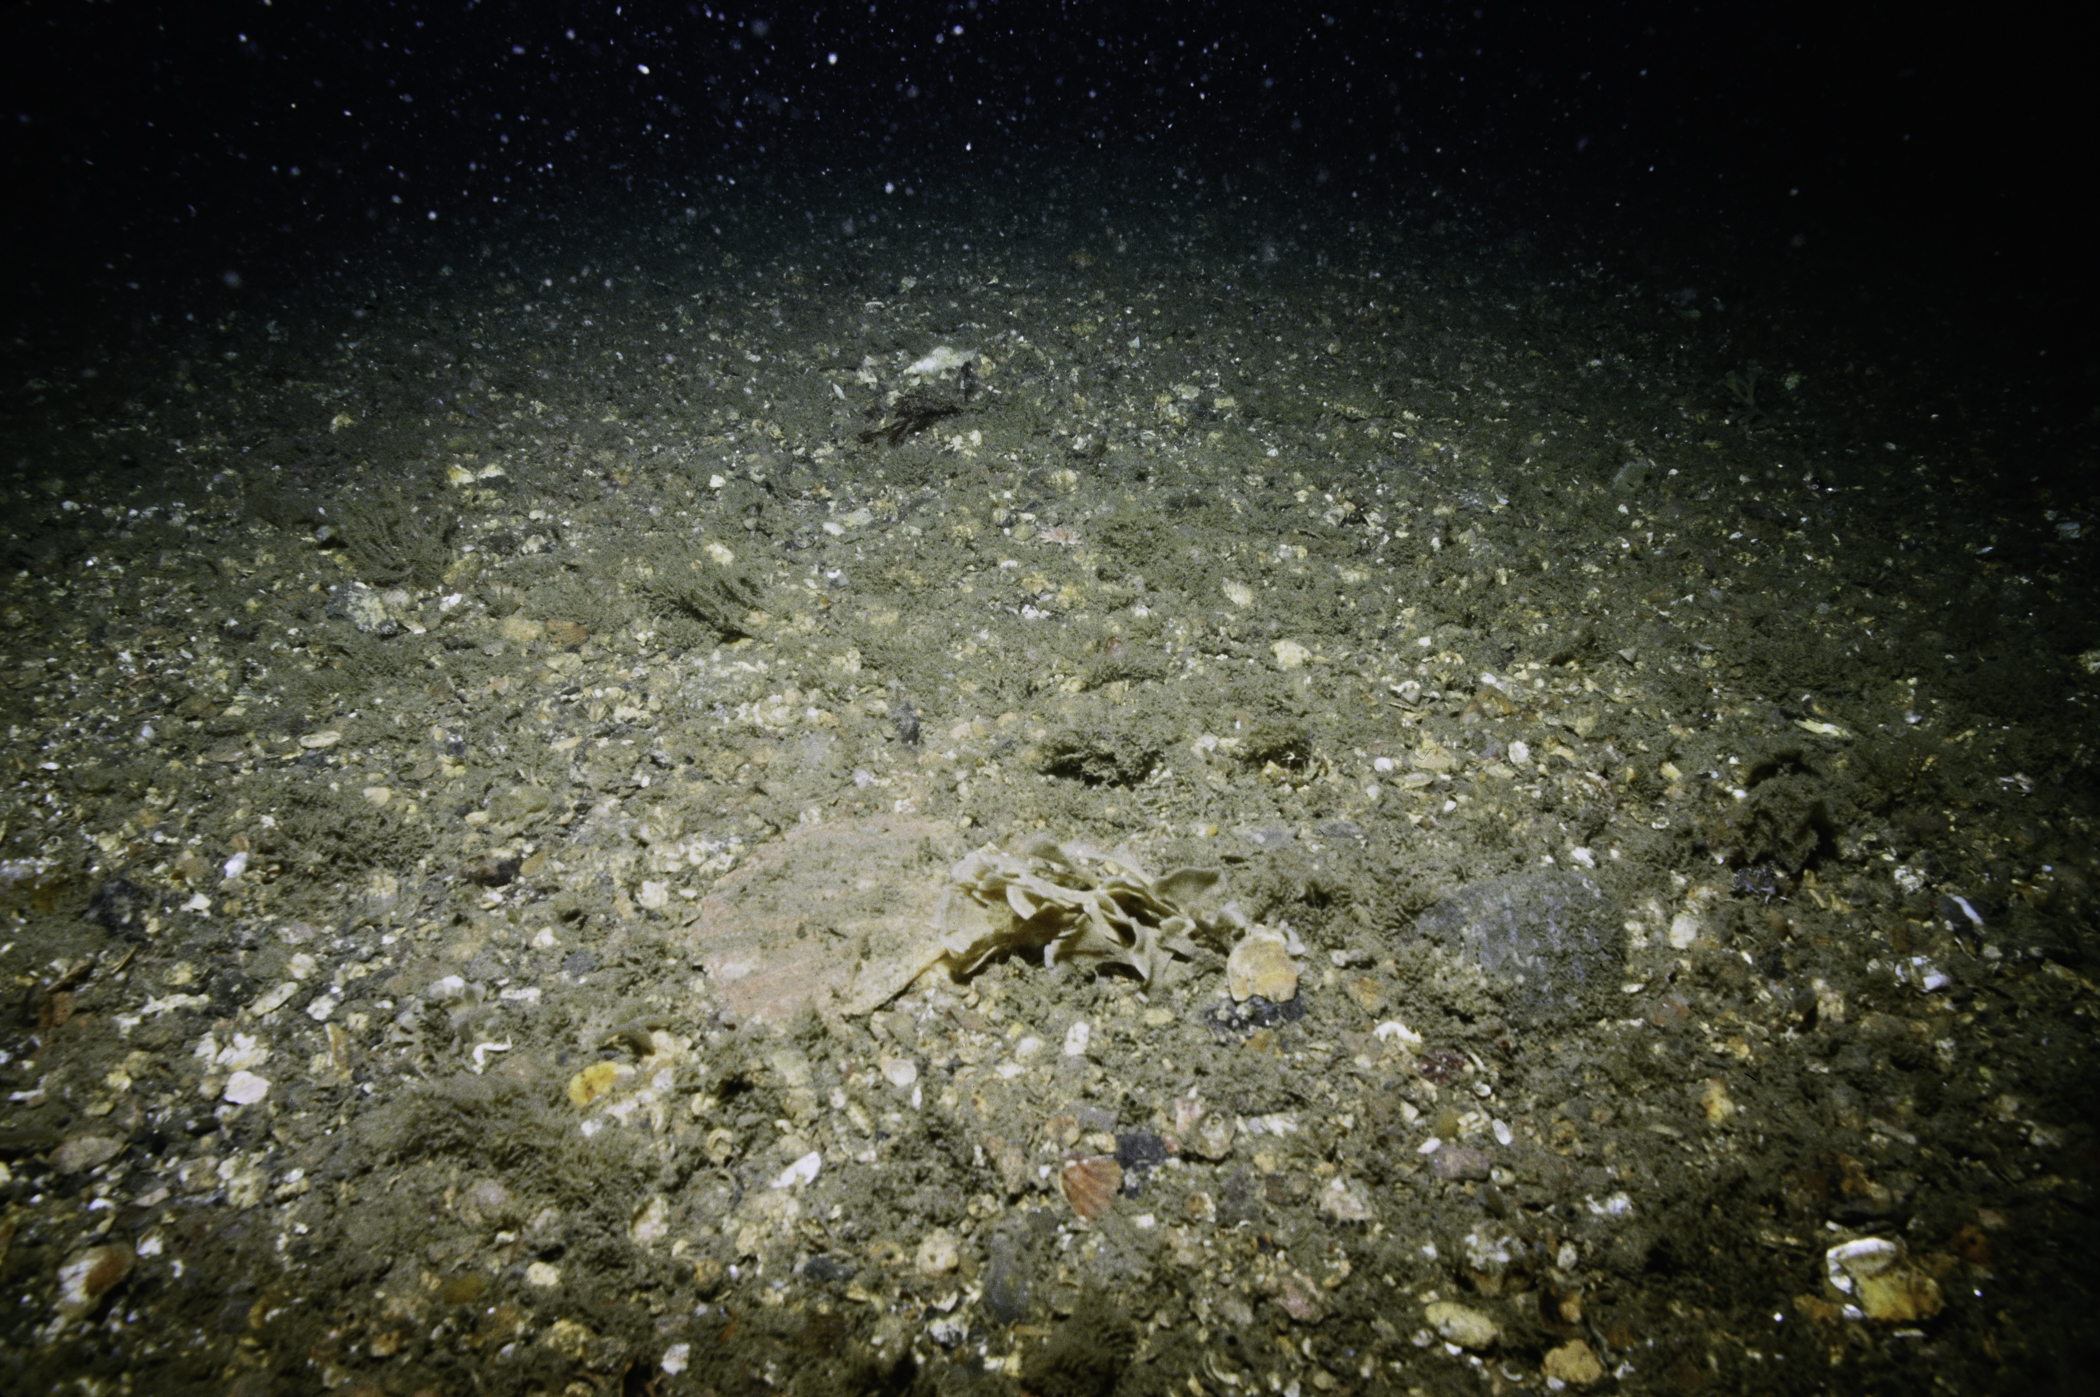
x=1261 y=965
x=87 y=1277
x=1211 y=1139
x=1887 y=1287
x=1091 y=1183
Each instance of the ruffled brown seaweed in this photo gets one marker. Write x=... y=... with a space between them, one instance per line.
x=1078 y=905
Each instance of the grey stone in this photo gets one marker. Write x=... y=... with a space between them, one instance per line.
x=1553 y=942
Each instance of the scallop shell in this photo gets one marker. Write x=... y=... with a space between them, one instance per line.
x=1091 y=1183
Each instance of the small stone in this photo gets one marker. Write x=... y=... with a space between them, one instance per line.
x=1290 y=654
x=652 y=1223
x=245 y=1088
x=84 y=1152
x=487 y=1203
x=568 y=1338
x=1261 y=965
x=938 y=1253
x=1300 y=1296
x=1715 y=1103
x=900 y=1072
x=273 y=1000
x=88 y=1276
x=543 y=1275
x=1496 y=1259
x=1461 y=1325
x=1454 y=1164
x=1573 y=1363
x=1011 y=1162
x=1344 y=1200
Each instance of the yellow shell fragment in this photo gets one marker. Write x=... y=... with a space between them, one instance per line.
x=593 y=1082
x=1461 y=1325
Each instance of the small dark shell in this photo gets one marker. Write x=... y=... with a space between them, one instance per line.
x=1091 y=1183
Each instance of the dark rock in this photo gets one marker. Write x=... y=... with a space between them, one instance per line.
x=121 y=908
x=1553 y=941
x=1139 y=1152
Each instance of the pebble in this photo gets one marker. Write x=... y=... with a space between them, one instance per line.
x=938 y=1253
x=83 y=1152
x=653 y=1223
x=1453 y=1163
x=1573 y=1363
x=1345 y=1200
x=1461 y=1325
x=245 y=1088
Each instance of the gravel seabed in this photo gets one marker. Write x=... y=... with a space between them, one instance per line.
x=1676 y=810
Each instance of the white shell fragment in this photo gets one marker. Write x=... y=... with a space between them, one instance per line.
x=1345 y=1200
x=802 y=1171
x=1077 y=1037
x=944 y=359
x=245 y=1088
x=1873 y=1272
